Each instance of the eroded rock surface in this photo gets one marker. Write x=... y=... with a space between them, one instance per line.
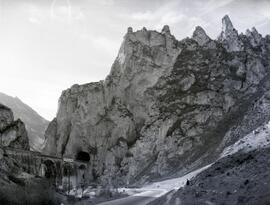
x=12 y=133
x=167 y=106
x=34 y=123
x=229 y=36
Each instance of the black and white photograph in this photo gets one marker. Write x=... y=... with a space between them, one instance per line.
x=134 y=102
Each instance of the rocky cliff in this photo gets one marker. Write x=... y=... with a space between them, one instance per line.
x=167 y=106
x=34 y=123
x=12 y=133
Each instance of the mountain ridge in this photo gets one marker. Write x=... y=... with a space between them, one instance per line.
x=168 y=106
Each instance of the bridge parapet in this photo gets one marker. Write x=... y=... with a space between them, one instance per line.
x=61 y=171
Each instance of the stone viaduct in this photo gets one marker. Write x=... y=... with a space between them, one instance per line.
x=62 y=172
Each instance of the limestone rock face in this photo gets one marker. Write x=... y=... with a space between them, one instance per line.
x=12 y=133
x=166 y=107
x=254 y=37
x=51 y=141
x=6 y=117
x=229 y=35
x=200 y=36
x=34 y=123
x=166 y=30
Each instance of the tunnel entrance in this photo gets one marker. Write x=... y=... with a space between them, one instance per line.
x=83 y=156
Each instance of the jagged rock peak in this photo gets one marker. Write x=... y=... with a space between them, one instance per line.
x=227 y=24
x=166 y=30
x=253 y=32
x=147 y=37
x=228 y=31
x=229 y=36
x=130 y=30
x=254 y=36
x=200 y=36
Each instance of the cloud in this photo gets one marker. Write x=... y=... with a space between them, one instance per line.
x=107 y=2
x=34 y=20
x=264 y=10
x=103 y=44
x=212 y=5
x=159 y=16
x=172 y=18
x=55 y=10
x=61 y=12
x=36 y=15
x=142 y=16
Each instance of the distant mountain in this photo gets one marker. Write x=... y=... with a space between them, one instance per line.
x=35 y=124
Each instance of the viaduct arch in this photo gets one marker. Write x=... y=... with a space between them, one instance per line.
x=60 y=171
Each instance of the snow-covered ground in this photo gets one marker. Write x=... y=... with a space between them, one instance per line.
x=162 y=187
x=175 y=183
x=258 y=138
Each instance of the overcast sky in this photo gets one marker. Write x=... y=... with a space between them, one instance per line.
x=48 y=45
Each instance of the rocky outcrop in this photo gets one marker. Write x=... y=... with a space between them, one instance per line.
x=12 y=133
x=202 y=38
x=167 y=106
x=34 y=123
x=229 y=36
x=254 y=37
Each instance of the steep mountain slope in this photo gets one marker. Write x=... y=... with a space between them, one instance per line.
x=168 y=106
x=239 y=176
x=35 y=124
x=238 y=179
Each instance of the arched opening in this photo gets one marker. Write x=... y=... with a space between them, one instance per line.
x=83 y=156
x=68 y=177
x=50 y=169
x=82 y=170
x=82 y=167
x=67 y=170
